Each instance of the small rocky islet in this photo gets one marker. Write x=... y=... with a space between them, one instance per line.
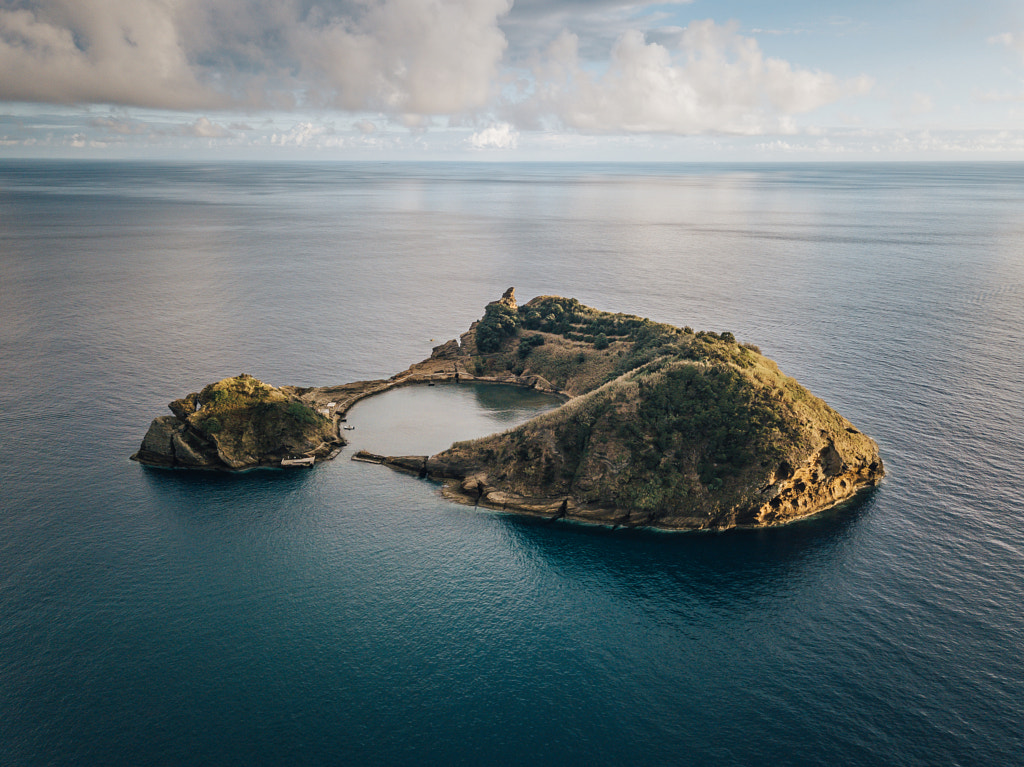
x=662 y=427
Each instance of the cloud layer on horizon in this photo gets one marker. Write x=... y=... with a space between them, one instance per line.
x=409 y=60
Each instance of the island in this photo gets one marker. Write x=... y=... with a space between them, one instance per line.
x=661 y=427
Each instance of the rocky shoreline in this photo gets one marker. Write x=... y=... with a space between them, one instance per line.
x=469 y=487
x=662 y=427
x=173 y=442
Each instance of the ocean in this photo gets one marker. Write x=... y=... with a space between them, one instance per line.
x=349 y=615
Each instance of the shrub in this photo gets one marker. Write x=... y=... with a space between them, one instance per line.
x=212 y=425
x=601 y=342
x=499 y=322
x=528 y=344
x=301 y=413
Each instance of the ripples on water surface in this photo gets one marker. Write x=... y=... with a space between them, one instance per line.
x=349 y=614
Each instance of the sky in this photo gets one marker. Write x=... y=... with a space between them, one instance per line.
x=702 y=80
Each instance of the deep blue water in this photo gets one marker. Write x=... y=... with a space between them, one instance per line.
x=348 y=614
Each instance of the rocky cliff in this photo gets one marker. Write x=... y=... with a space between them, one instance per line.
x=238 y=423
x=664 y=427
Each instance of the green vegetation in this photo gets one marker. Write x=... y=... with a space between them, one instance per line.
x=498 y=324
x=528 y=344
x=250 y=420
x=302 y=413
x=663 y=420
x=713 y=408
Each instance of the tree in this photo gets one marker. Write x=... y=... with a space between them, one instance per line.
x=498 y=323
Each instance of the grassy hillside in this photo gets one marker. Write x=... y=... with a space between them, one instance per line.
x=236 y=423
x=690 y=429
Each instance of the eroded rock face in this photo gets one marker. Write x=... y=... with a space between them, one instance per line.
x=699 y=432
x=238 y=423
x=186 y=406
x=497 y=479
x=449 y=350
x=663 y=427
x=824 y=481
x=508 y=298
x=158 y=445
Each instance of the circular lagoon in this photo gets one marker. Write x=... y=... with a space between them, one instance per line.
x=424 y=419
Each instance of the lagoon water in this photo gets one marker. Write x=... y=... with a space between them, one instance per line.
x=349 y=615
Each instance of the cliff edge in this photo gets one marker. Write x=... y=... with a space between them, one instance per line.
x=665 y=427
x=239 y=423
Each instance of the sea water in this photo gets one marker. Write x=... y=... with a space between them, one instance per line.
x=349 y=615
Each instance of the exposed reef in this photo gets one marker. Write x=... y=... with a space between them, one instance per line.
x=664 y=427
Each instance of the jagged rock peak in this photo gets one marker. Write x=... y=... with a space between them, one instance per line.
x=449 y=350
x=508 y=298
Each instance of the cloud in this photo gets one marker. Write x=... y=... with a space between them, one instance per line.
x=597 y=23
x=306 y=134
x=408 y=62
x=98 y=51
x=996 y=97
x=120 y=126
x=397 y=56
x=1010 y=40
x=203 y=128
x=497 y=136
x=714 y=81
x=896 y=143
x=406 y=56
x=301 y=134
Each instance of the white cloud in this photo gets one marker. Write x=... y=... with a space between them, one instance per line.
x=98 y=51
x=923 y=143
x=81 y=141
x=497 y=136
x=1010 y=40
x=714 y=81
x=308 y=135
x=921 y=103
x=300 y=135
x=995 y=97
x=120 y=126
x=405 y=56
x=203 y=128
x=398 y=56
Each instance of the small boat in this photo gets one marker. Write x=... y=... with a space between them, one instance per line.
x=349 y=428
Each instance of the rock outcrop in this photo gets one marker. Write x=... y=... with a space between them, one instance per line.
x=508 y=300
x=238 y=423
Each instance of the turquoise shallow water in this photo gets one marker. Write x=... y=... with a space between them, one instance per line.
x=349 y=615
